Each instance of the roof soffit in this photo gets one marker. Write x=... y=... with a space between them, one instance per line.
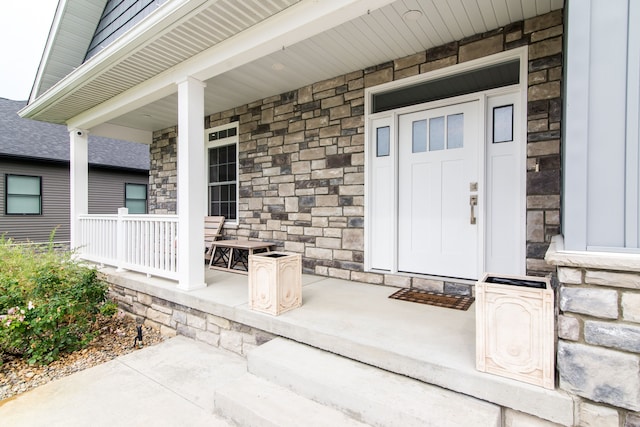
x=189 y=39
x=162 y=40
x=72 y=29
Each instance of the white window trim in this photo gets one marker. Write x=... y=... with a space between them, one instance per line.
x=220 y=143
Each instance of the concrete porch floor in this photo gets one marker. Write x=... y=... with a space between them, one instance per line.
x=432 y=344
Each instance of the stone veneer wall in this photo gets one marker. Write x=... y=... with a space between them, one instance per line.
x=302 y=160
x=599 y=335
x=163 y=172
x=173 y=319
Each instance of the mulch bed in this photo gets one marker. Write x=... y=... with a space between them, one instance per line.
x=458 y=302
x=116 y=337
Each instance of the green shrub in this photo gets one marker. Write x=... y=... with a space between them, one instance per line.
x=48 y=302
x=109 y=309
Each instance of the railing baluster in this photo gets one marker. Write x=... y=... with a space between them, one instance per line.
x=144 y=243
x=156 y=242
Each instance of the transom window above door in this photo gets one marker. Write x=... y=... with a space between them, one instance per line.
x=438 y=133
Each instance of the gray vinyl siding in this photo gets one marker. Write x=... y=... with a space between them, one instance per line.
x=118 y=17
x=601 y=169
x=106 y=195
x=106 y=188
x=55 y=202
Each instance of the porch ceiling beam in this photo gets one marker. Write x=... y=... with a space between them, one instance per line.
x=109 y=130
x=294 y=24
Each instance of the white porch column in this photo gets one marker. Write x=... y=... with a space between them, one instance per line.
x=191 y=184
x=79 y=181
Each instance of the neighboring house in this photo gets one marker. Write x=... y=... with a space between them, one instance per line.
x=34 y=181
x=405 y=143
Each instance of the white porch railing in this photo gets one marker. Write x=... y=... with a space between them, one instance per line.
x=142 y=243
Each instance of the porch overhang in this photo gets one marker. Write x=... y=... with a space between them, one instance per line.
x=145 y=63
x=251 y=51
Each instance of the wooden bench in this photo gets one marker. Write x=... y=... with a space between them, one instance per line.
x=233 y=255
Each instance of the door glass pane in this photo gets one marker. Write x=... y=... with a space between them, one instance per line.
x=503 y=123
x=455 y=131
x=382 y=141
x=419 y=136
x=436 y=133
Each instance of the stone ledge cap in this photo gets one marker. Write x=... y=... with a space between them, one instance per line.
x=556 y=255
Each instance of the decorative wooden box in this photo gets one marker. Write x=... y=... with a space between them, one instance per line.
x=515 y=328
x=275 y=282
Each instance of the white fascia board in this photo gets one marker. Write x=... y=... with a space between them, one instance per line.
x=47 y=48
x=74 y=22
x=161 y=21
x=296 y=23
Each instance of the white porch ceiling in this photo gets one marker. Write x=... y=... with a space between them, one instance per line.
x=375 y=37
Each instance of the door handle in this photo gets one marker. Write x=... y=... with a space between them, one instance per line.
x=473 y=202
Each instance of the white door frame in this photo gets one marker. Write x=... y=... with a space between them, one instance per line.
x=391 y=117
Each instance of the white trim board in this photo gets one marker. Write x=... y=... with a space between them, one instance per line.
x=390 y=117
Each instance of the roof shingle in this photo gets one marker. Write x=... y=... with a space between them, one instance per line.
x=29 y=138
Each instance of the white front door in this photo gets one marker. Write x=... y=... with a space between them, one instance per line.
x=438 y=191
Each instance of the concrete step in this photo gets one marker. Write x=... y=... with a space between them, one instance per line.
x=253 y=402
x=368 y=394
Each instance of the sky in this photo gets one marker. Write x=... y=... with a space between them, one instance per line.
x=24 y=27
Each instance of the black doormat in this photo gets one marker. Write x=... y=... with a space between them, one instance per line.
x=458 y=302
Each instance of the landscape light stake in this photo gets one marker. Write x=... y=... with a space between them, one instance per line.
x=138 y=338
